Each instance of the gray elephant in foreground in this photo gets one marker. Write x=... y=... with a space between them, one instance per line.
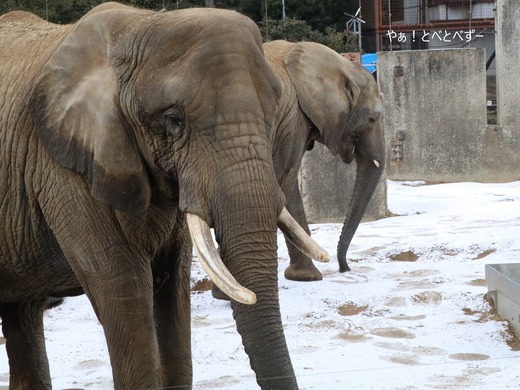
x=124 y=138
x=329 y=99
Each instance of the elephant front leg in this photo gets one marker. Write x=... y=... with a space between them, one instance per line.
x=301 y=267
x=171 y=270
x=118 y=283
x=123 y=302
x=22 y=325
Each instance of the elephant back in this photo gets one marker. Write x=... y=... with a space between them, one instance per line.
x=27 y=42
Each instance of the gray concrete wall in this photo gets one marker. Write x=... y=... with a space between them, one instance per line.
x=326 y=184
x=435 y=103
x=436 y=100
x=508 y=69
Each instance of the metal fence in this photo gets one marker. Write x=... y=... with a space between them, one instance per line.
x=426 y=24
x=428 y=13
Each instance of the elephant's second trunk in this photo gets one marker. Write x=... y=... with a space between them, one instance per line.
x=367 y=177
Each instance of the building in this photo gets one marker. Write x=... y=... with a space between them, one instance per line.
x=429 y=24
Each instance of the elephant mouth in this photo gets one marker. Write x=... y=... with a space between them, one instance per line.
x=210 y=260
x=347 y=158
x=348 y=153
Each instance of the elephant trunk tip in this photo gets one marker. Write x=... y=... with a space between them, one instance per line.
x=342 y=260
x=347 y=233
x=343 y=266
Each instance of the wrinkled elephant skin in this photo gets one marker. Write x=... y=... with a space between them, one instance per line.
x=113 y=130
x=328 y=99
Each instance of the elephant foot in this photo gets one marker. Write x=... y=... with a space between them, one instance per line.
x=303 y=272
x=218 y=294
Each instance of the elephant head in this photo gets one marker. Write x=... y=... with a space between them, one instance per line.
x=170 y=110
x=343 y=101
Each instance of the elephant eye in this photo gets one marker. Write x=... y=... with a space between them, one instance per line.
x=174 y=122
x=371 y=121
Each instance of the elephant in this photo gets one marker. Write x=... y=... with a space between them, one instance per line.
x=331 y=100
x=124 y=138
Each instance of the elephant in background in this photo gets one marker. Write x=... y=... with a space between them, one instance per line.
x=329 y=99
x=126 y=137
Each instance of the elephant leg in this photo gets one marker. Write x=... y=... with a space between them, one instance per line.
x=171 y=271
x=113 y=269
x=301 y=267
x=122 y=297
x=22 y=325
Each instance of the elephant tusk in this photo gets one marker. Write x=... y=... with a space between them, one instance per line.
x=212 y=263
x=299 y=237
x=376 y=163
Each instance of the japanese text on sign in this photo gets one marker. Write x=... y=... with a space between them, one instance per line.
x=441 y=35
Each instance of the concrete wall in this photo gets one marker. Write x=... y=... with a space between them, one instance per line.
x=326 y=184
x=486 y=41
x=435 y=109
x=436 y=101
x=435 y=105
x=508 y=70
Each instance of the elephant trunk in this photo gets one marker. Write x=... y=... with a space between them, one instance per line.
x=268 y=352
x=367 y=177
x=247 y=235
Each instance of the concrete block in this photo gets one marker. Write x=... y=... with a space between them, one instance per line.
x=503 y=282
x=435 y=115
x=435 y=111
x=326 y=184
x=508 y=63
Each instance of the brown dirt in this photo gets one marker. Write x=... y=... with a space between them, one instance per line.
x=468 y=356
x=202 y=285
x=352 y=337
x=484 y=254
x=393 y=333
x=512 y=340
x=351 y=309
x=405 y=256
x=469 y=312
x=477 y=282
x=428 y=297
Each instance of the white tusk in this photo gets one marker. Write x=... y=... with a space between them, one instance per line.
x=376 y=163
x=299 y=237
x=212 y=263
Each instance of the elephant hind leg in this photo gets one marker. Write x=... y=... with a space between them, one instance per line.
x=22 y=326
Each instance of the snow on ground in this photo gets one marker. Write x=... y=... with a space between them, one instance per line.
x=410 y=315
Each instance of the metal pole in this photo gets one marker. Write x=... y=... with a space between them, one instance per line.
x=283 y=9
x=360 y=17
x=390 y=20
x=266 y=23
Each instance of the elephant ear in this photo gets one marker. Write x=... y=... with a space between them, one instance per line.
x=327 y=86
x=75 y=109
